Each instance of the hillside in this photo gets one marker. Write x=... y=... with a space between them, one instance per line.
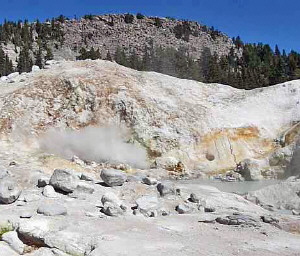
x=208 y=127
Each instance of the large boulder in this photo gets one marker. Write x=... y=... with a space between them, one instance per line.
x=113 y=177
x=9 y=191
x=251 y=169
x=65 y=180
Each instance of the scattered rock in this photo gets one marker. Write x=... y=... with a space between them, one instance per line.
x=194 y=198
x=31 y=197
x=148 y=205
x=35 y=68
x=111 y=198
x=52 y=209
x=43 y=182
x=65 y=180
x=26 y=214
x=237 y=220
x=269 y=219
x=77 y=160
x=9 y=191
x=183 y=208
x=207 y=218
x=294 y=212
x=86 y=177
x=113 y=177
x=112 y=209
x=12 y=239
x=49 y=191
x=149 y=181
x=209 y=209
x=167 y=188
x=83 y=187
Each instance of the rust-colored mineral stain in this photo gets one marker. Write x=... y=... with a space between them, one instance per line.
x=244 y=133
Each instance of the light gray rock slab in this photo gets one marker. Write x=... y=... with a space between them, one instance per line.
x=12 y=239
x=52 y=209
x=6 y=250
x=147 y=205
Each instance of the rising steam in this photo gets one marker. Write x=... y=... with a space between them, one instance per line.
x=104 y=144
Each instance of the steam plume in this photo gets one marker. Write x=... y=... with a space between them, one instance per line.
x=105 y=144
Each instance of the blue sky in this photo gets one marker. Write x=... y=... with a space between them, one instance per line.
x=267 y=21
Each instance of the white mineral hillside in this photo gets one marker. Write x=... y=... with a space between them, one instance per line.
x=206 y=126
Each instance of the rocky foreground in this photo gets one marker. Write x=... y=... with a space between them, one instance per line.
x=116 y=213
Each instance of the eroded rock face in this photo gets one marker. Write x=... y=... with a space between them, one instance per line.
x=64 y=180
x=9 y=191
x=112 y=177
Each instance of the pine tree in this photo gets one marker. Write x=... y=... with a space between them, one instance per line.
x=108 y=56
x=24 y=60
x=2 y=62
x=39 y=58
x=120 y=57
x=49 y=54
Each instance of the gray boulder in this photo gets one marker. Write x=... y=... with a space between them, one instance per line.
x=113 y=177
x=147 y=205
x=52 y=209
x=183 y=208
x=65 y=180
x=9 y=191
x=112 y=209
x=149 y=181
x=43 y=182
x=194 y=198
x=167 y=188
x=12 y=239
x=111 y=198
x=49 y=191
